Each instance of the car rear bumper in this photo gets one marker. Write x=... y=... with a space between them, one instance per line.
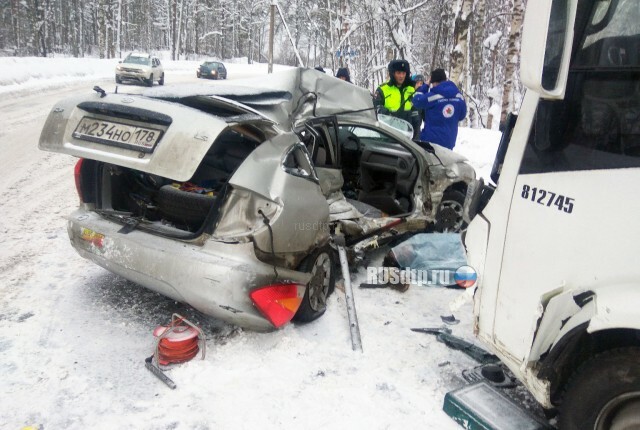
x=214 y=277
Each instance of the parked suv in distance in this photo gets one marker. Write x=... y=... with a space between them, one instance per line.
x=140 y=67
x=212 y=70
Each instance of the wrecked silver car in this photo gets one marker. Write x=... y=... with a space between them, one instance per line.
x=226 y=197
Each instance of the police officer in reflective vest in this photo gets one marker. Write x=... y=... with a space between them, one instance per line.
x=394 y=97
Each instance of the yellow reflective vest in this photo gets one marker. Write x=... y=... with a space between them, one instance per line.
x=397 y=99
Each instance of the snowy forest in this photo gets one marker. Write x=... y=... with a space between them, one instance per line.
x=476 y=41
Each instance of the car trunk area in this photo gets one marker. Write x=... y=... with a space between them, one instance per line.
x=164 y=205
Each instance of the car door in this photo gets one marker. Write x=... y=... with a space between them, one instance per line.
x=320 y=138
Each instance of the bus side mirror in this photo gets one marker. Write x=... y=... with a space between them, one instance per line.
x=546 y=49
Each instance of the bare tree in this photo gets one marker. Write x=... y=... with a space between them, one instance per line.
x=459 y=54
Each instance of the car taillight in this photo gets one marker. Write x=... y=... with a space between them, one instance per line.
x=278 y=302
x=77 y=173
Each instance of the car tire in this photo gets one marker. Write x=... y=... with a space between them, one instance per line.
x=118 y=80
x=604 y=393
x=322 y=284
x=150 y=81
x=161 y=81
x=449 y=215
x=198 y=75
x=182 y=206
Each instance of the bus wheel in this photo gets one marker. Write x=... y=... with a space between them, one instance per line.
x=604 y=393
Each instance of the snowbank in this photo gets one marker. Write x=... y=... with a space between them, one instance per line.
x=480 y=147
x=32 y=73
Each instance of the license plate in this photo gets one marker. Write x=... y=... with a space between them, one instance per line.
x=113 y=133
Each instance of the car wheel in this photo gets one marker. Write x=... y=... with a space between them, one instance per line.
x=604 y=393
x=161 y=81
x=150 y=81
x=321 y=265
x=198 y=75
x=449 y=216
x=118 y=80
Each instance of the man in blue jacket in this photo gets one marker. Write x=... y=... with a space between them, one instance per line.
x=443 y=106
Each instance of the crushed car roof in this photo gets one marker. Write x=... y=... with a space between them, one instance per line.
x=287 y=98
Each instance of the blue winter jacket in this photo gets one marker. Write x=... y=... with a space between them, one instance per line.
x=443 y=107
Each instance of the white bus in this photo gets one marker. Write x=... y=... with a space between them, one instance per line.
x=557 y=244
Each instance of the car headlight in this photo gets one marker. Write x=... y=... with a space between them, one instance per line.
x=118 y=67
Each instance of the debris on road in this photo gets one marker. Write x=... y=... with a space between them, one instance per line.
x=153 y=368
x=176 y=343
x=356 y=341
x=493 y=373
x=402 y=287
x=443 y=334
x=449 y=319
x=480 y=406
x=441 y=252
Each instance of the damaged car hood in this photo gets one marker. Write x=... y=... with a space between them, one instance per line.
x=288 y=98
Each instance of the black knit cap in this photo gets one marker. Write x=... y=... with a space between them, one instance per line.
x=438 y=75
x=343 y=72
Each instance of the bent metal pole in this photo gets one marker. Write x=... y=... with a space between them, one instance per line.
x=272 y=18
x=356 y=342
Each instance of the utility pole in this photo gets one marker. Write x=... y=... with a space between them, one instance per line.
x=272 y=24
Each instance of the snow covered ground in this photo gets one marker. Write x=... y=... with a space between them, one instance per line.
x=34 y=73
x=73 y=337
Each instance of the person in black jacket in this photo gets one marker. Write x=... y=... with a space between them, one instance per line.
x=343 y=73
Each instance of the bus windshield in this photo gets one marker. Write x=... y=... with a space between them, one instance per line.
x=612 y=35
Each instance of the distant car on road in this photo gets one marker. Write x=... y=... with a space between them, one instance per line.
x=140 y=67
x=212 y=70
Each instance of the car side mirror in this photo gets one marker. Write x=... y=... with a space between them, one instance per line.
x=120 y=61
